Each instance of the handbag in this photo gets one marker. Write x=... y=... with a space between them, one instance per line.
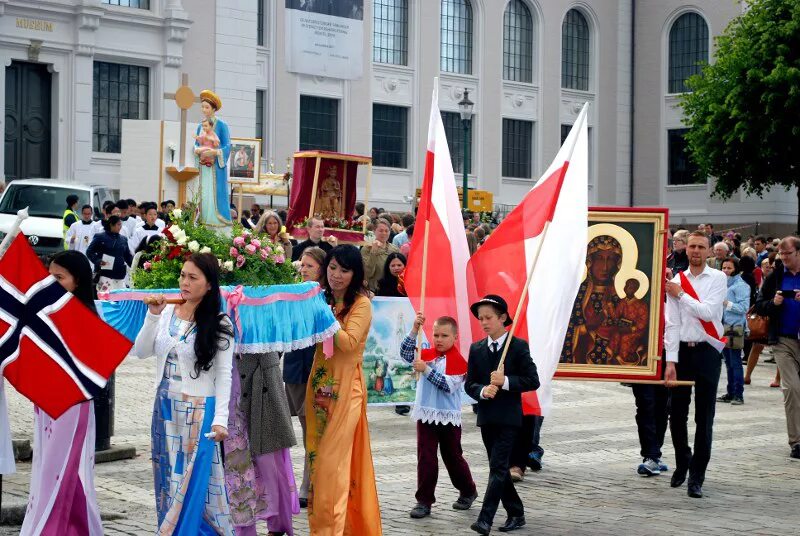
x=735 y=336
x=757 y=325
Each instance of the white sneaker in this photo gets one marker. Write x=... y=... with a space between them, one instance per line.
x=649 y=467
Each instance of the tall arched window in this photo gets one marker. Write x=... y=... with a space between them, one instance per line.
x=575 y=51
x=688 y=50
x=456 y=38
x=390 y=32
x=517 y=42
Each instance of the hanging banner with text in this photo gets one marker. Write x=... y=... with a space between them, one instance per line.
x=325 y=38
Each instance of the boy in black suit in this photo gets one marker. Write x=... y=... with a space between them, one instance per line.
x=498 y=393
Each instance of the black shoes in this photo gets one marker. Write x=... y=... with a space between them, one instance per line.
x=481 y=527
x=464 y=503
x=725 y=398
x=402 y=410
x=513 y=523
x=420 y=511
x=303 y=502
x=795 y=452
x=678 y=477
x=695 y=490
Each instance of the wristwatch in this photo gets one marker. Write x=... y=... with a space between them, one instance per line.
x=680 y=294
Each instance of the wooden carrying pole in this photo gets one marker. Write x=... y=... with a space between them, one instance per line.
x=424 y=281
x=524 y=294
x=678 y=383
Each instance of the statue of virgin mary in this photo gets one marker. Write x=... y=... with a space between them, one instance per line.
x=212 y=149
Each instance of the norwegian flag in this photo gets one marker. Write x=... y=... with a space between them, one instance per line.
x=53 y=350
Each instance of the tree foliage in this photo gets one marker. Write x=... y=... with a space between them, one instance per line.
x=743 y=111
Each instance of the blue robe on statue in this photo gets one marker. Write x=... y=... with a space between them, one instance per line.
x=215 y=204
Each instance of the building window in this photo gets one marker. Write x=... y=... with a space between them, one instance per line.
x=456 y=37
x=319 y=123
x=139 y=4
x=517 y=148
x=688 y=50
x=681 y=168
x=390 y=32
x=260 y=23
x=118 y=92
x=454 y=131
x=517 y=43
x=260 y=100
x=389 y=135
x=575 y=51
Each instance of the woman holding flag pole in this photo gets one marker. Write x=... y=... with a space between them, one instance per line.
x=62 y=497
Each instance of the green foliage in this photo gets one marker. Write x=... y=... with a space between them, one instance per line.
x=744 y=109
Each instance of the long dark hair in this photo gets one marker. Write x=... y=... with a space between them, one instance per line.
x=79 y=268
x=387 y=286
x=349 y=258
x=213 y=328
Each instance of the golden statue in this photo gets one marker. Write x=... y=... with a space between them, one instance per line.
x=329 y=196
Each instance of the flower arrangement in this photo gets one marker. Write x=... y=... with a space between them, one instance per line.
x=334 y=223
x=244 y=258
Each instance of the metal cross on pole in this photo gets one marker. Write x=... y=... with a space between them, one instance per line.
x=184 y=97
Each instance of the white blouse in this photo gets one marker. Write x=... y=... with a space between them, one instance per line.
x=154 y=339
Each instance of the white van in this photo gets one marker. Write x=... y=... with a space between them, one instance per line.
x=46 y=200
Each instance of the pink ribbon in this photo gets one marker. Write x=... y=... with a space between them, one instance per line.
x=234 y=298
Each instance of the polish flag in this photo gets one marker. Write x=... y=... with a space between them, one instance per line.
x=501 y=265
x=440 y=210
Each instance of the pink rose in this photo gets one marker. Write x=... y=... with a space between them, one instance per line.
x=264 y=254
x=147 y=266
x=279 y=259
x=251 y=249
x=238 y=241
x=234 y=252
x=256 y=242
x=240 y=261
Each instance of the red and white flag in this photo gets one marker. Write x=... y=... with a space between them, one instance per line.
x=439 y=208
x=501 y=265
x=53 y=350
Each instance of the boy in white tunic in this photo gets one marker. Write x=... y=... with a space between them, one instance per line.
x=80 y=233
x=437 y=410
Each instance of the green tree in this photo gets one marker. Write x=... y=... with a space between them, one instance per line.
x=743 y=111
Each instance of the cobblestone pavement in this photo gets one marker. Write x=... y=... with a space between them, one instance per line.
x=588 y=484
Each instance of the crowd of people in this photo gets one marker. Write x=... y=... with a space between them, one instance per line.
x=243 y=404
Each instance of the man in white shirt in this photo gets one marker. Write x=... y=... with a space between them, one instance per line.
x=146 y=230
x=80 y=233
x=692 y=325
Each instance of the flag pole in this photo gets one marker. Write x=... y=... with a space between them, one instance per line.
x=524 y=294
x=422 y=287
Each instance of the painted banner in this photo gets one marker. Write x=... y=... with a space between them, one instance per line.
x=390 y=380
x=325 y=38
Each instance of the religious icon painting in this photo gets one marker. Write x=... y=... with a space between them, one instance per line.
x=616 y=327
x=245 y=160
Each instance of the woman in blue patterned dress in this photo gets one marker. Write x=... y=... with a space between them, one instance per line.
x=193 y=344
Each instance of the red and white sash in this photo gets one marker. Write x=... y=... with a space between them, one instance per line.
x=712 y=335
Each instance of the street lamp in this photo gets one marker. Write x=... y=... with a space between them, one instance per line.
x=465 y=108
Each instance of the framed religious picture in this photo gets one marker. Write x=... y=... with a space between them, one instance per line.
x=245 y=160
x=616 y=328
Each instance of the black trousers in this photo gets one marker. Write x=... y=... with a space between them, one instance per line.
x=527 y=441
x=702 y=364
x=499 y=440
x=652 y=407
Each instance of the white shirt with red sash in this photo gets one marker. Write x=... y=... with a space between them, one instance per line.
x=683 y=315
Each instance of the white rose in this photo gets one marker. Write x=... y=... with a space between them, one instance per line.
x=278 y=249
x=194 y=246
x=204 y=249
x=227 y=266
x=177 y=213
x=181 y=241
